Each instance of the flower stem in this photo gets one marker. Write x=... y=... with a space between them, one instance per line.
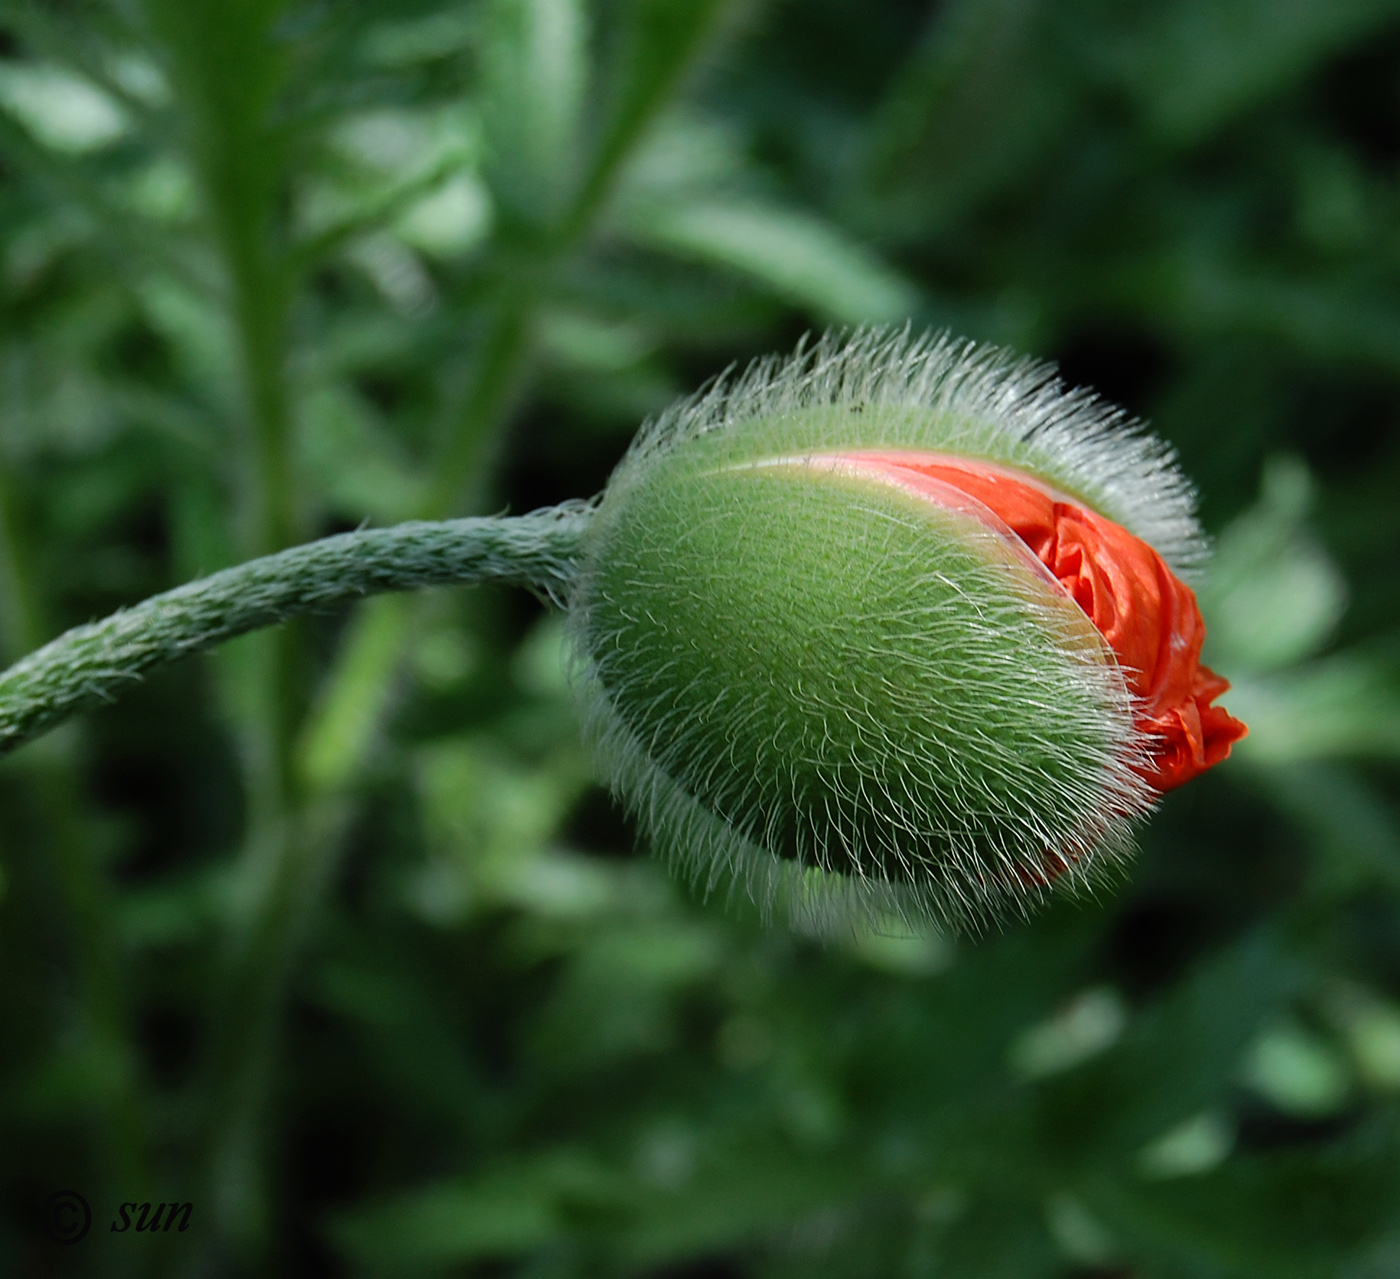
x=90 y=664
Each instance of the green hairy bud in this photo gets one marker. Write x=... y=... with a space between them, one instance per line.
x=839 y=697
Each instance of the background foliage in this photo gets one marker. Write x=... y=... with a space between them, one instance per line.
x=331 y=935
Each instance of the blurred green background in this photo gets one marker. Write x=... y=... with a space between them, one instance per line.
x=331 y=934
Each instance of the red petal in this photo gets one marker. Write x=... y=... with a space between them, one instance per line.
x=1148 y=616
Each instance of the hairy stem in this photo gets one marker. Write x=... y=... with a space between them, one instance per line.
x=91 y=664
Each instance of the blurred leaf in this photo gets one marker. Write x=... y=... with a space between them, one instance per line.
x=1291 y=1215
x=968 y=111
x=1079 y=1233
x=794 y=254
x=1273 y=596
x=1342 y=706
x=735 y=1199
x=409 y=1032
x=1086 y=1026
x=1297 y=1071
x=61 y=110
x=420 y=37
x=1000 y=1237
x=1174 y=1059
x=350 y=704
x=536 y=74
x=416 y=166
x=1194 y=1146
x=1194 y=64
x=659 y=41
x=1354 y=835
x=893 y=950
x=445 y=1225
x=450 y=221
x=1372 y=1028
x=353 y=460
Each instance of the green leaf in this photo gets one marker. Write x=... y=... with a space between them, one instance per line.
x=1173 y=1061
x=660 y=39
x=1353 y=834
x=735 y=1199
x=351 y=458
x=1289 y=1216
x=535 y=78
x=1195 y=64
x=60 y=109
x=797 y=256
x=1273 y=596
x=968 y=113
x=1000 y=1237
x=1346 y=706
x=450 y=1223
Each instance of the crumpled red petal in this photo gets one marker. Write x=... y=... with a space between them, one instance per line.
x=1148 y=616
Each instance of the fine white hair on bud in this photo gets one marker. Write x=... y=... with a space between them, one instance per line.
x=849 y=690
x=966 y=398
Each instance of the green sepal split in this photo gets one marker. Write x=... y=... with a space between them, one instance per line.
x=846 y=701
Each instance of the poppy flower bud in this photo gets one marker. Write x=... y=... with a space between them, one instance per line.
x=894 y=627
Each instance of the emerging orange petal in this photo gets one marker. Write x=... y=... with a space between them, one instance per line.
x=1147 y=615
